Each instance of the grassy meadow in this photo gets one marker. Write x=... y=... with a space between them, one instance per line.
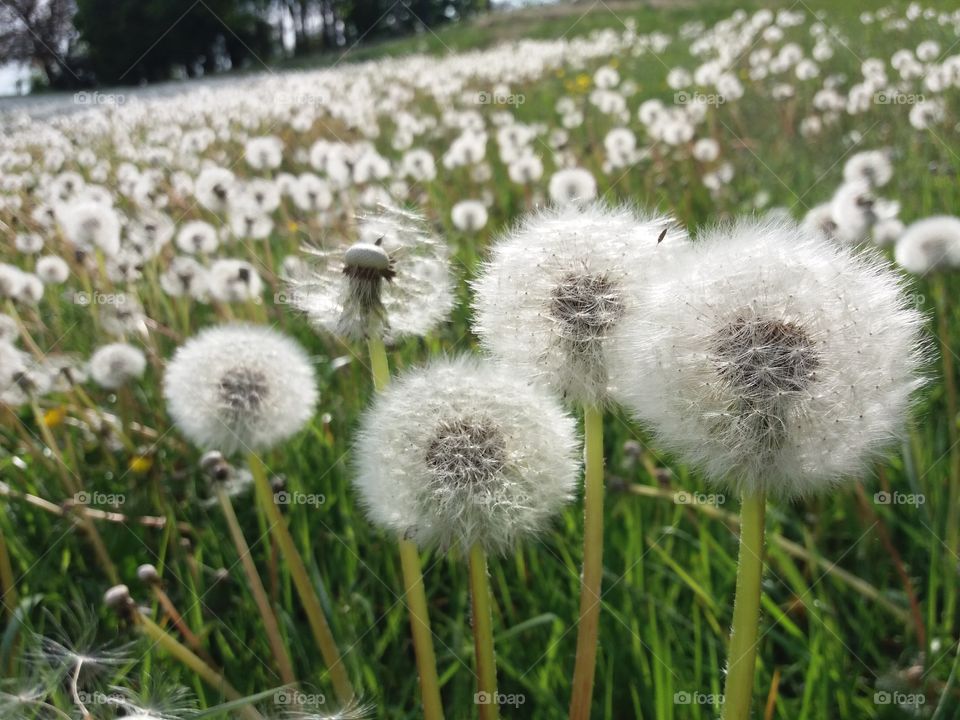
x=860 y=596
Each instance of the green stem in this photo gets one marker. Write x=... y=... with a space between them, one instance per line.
x=590 y=600
x=741 y=661
x=379 y=367
x=416 y=601
x=301 y=579
x=953 y=492
x=183 y=654
x=483 y=635
x=8 y=585
x=416 y=598
x=270 y=623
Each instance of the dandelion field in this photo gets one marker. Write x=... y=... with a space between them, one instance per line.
x=859 y=615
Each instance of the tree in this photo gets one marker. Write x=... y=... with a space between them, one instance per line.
x=130 y=41
x=41 y=33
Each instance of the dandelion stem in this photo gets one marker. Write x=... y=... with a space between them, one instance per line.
x=483 y=635
x=8 y=585
x=741 y=660
x=416 y=597
x=256 y=587
x=416 y=601
x=301 y=579
x=183 y=654
x=379 y=366
x=590 y=602
x=953 y=493
x=179 y=623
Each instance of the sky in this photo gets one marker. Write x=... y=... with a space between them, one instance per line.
x=9 y=74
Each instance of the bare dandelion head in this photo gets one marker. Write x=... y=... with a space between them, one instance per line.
x=394 y=280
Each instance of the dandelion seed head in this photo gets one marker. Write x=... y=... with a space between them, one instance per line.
x=394 y=280
x=233 y=280
x=556 y=286
x=463 y=451
x=772 y=359
x=52 y=270
x=572 y=186
x=116 y=364
x=930 y=245
x=240 y=387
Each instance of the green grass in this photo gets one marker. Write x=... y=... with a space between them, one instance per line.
x=837 y=622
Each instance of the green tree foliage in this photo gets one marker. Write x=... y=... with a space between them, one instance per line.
x=132 y=41
x=145 y=40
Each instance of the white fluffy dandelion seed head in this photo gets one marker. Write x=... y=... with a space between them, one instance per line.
x=852 y=208
x=214 y=188
x=240 y=387
x=870 y=166
x=930 y=245
x=572 y=186
x=89 y=226
x=819 y=221
x=887 y=231
x=469 y=215
x=465 y=452
x=394 y=280
x=198 y=238
x=9 y=330
x=556 y=286
x=116 y=364
x=233 y=280
x=772 y=359
x=52 y=269
x=185 y=276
